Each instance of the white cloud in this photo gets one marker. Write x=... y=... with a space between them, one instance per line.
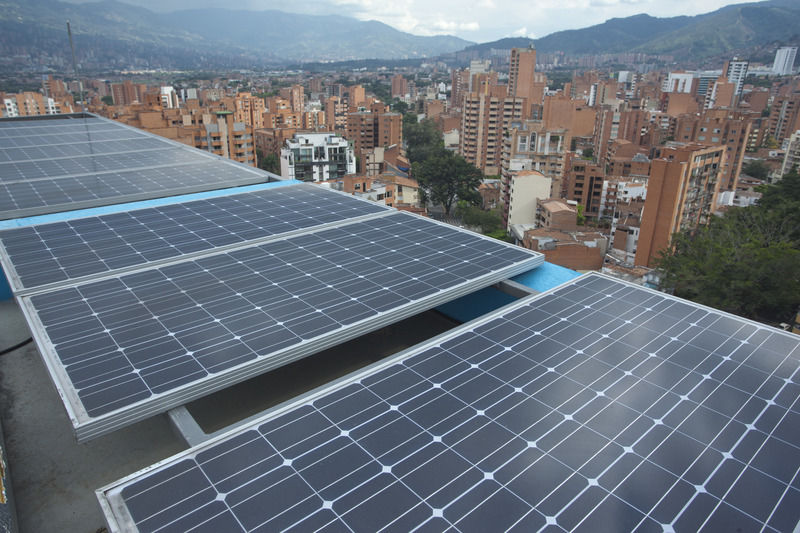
x=523 y=32
x=450 y=25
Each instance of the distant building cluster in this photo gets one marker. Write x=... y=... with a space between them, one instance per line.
x=631 y=155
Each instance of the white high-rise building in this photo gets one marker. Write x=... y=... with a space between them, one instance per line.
x=784 y=60
x=317 y=157
x=792 y=158
x=736 y=72
x=169 y=98
x=678 y=82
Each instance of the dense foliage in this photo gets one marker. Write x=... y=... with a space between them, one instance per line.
x=487 y=221
x=443 y=176
x=746 y=262
x=756 y=168
x=270 y=162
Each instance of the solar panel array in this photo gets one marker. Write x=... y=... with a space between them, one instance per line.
x=139 y=311
x=44 y=254
x=52 y=165
x=601 y=406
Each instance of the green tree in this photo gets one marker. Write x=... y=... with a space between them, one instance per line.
x=472 y=215
x=756 y=168
x=445 y=177
x=269 y=162
x=108 y=99
x=580 y=218
x=398 y=106
x=746 y=262
x=422 y=138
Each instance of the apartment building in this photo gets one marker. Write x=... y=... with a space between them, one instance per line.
x=168 y=97
x=530 y=143
x=791 y=160
x=295 y=96
x=736 y=72
x=618 y=122
x=784 y=116
x=28 y=103
x=336 y=114
x=367 y=130
x=485 y=117
x=387 y=189
x=249 y=109
x=784 y=60
x=399 y=86
x=317 y=157
x=520 y=194
x=127 y=93
x=220 y=134
x=523 y=81
x=681 y=194
x=719 y=127
x=577 y=250
x=584 y=183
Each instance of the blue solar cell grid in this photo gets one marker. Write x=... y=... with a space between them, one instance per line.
x=139 y=336
x=50 y=165
x=62 y=251
x=600 y=406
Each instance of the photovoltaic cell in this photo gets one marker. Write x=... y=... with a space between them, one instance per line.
x=54 y=253
x=94 y=165
x=52 y=139
x=123 y=348
x=49 y=124
x=36 y=153
x=601 y=406
x=50 y=165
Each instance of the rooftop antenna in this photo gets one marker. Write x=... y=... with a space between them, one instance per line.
x=75 y=67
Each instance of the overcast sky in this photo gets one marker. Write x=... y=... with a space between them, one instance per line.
x=474 y=20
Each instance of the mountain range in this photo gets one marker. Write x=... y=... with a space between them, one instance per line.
x=111 y=34
x=117 y=32
x=729 y=30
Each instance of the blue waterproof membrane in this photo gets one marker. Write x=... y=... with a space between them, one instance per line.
x=476 y=304
x=545 y=277
x=471 y=306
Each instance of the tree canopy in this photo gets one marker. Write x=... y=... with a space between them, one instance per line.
x=421 y=138
x=746 y=262
x=445 y=177
x=756 y=168
x=472 y=215
x=270 y=162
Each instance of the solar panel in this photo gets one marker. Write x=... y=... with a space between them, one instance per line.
x=28 y=198
x=51 y=165
x=125 y=347
x=52 y=139
x=53 y=253
x=601 y=406
x=94 y=165
x=47 y=124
